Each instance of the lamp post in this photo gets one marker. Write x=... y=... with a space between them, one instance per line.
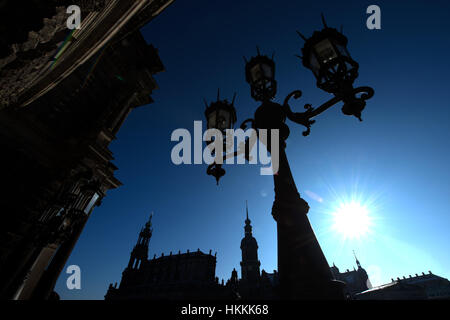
x=303 y=270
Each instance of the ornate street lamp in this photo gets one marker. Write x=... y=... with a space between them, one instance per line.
x=303 y=270
x=327 y=56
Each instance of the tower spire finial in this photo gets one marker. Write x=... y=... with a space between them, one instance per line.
x=323 y=20
x=357 y=262
x=246 y=208
x=140 y=251
x=148 y=224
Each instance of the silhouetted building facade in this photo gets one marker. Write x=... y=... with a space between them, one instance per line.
x=189 y=275
x=355 y=281
x=419 y=287
x=64 y=94
x=396 y=290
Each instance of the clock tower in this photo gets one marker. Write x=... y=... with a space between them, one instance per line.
x=250 y=263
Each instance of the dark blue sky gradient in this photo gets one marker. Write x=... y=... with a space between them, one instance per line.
x=396 y=159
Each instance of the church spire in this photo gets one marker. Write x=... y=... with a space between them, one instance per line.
x=148 y=225
x=248 y=226
x=357 y=262
x=140 y=250
x=246 y=208
x=249 y=247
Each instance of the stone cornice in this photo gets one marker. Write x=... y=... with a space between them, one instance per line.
x=31 y=70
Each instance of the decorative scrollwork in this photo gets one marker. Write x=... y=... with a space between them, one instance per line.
x=353 y=106
x=296 y=94
x=302 y=118
x=367 y=92
x=309 y=107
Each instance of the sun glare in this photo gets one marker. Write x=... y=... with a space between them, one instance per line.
x=351 y=220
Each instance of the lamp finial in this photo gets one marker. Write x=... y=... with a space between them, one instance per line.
x=323 y=20
x=301 y=35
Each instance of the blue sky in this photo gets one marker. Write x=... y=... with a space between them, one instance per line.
x=396 y=160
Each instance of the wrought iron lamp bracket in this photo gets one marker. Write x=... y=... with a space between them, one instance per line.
x=304 y=118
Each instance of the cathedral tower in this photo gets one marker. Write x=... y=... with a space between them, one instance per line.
x=140 y=250
x=250 y=263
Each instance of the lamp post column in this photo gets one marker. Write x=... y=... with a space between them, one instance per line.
x=303 y=270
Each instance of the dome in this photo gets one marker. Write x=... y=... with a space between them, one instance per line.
x=247 y=241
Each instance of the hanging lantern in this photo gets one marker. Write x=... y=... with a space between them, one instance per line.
x=260 y=74
x=326 y=55
x=220 y=114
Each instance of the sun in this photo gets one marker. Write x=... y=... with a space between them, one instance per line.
x=351 y=220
